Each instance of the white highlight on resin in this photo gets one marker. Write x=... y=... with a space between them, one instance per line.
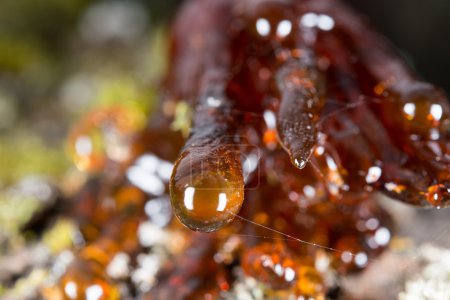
x=361 y=259
x=323 y=22
x=213 y=102
x=266 y=261
x=309 y=20
x=436 y=111
x=118 y=267
x=189 y=198
x=284 y=28
x=222 y=202
x=165 y=170
x=83 y=145
x=382 y=236
x=320 y=150
x=270 y=119
x=149 y=174
x=150 y=235
x=94 y=292
x=149 y=162
x=71 y=290
x=278 y=270
x=331 y=164
x=263 y=27
x=346 y=257
x=409 y=109
x=390 y=186
x=434 y=135
x=373 y=174
x=372 y=223
x=249 y=165
x=289 y=274
x=309 y=191
x=147 y=182
x=322 y=263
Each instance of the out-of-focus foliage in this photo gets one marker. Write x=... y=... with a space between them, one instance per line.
x=60 y=60
x=22 y=154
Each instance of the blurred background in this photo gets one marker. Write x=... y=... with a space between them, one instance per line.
x=61 y=59
x=419 y=29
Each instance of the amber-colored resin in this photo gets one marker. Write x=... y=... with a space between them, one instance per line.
x=207 y=192
x=272 y=264
x=300 y=109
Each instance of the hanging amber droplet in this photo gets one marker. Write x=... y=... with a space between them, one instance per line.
x=207 y=191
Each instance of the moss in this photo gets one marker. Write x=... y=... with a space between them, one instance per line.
x=23 y=153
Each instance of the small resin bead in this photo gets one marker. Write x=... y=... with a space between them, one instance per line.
x=103 y=136
x=272 y=264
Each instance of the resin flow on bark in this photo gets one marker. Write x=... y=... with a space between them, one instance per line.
x=273 y=84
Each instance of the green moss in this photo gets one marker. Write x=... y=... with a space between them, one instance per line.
x=59 y=237
x=23 y=154
x=183 y=118
x=15 y=211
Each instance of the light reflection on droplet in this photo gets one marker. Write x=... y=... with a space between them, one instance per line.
x=309 y=191
x=83 y=145
x=372 y=243
x=361 y=259
x=319 y=150
x=382 y=236
x=270 y=119
x=249 y=165
x=149 y=183
x=165 y=170
x=189 y=198
x=71 y=289
x=159 y=211
x=289 y=274
x=284 y=28
x=213 y=102
x=119 y=266
x=150 y=235
x=372 y=224
x=373 y=174
x=309 y=20
x=94 y=292
x=434 y=134
x=346 y=257
x=300 y=163
x=263 y=27
x=278 y=270
x=331 y=164
x=325 y=22
x=436 y=111
x=222 y=202
x=149 y=162
x=410 y=110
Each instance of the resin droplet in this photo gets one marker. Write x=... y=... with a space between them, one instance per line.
x=425 y=110
x=437 y=194
x=207 y=188
x=273 y=264
x=86 y=280
x=301 y=100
